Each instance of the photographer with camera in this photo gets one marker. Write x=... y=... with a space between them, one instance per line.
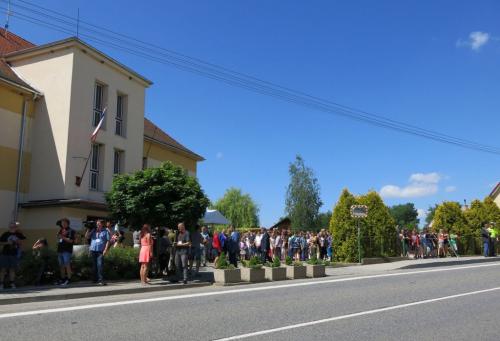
x=99 y=246
x=65 y=241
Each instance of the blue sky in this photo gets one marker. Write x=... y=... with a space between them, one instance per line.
x=434 y=64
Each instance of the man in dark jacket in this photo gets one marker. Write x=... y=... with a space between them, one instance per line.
x=265 y=245
x=485 y=235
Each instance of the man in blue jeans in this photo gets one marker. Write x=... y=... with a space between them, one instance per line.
x=485 y=235
x=99 y=245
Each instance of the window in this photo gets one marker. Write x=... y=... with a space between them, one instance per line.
x=99 y=103
x=118 y=162
x=94 y=167
x=144 y=163
x=120 y=115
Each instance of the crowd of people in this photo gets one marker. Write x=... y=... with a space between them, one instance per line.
x=176 y=252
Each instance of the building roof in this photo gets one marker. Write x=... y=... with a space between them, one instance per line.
x=154 y=133
x=9 y=42
x=71 y=41
x=496 y=191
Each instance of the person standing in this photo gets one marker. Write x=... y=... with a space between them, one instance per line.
x=41 y=253
x=493 y=237
x=146 y=252
x=99 y=246
x=195 y=255
x=233 y=246
x=485 y=235
x=164 y=251
x=9 y=258
x=206 y=248
x=265 y=245
x=65 y=241
x=182 y=244
x=136 y=237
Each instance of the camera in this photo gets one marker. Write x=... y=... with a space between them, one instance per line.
x=59 y=223
x=89 y=224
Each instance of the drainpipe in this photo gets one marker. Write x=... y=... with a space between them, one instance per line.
x=20 y=157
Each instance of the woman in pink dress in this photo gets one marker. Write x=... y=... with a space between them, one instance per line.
x=146 y=252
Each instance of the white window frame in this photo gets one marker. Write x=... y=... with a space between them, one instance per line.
x=118 y=161
x=121 y=101
x=99 y=103
x=94 y=169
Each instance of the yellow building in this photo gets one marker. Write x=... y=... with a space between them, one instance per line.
x=62 y=88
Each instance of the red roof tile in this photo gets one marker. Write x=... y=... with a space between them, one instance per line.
x=155 y=133
x=9 y=42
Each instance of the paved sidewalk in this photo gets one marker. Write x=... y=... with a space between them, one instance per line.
x=87 y=289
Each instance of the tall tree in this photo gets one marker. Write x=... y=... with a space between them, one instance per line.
x=302 y=197
x=430 y=214
x=450 y=217
x=377 y=230
x=323 y=220
x=162 y=196
x=239 y=208
x=405 y=215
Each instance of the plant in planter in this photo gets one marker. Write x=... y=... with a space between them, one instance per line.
x=225 y=272
x=315 y=267
x=294 y=269
x=252 y=270
x=274 y=270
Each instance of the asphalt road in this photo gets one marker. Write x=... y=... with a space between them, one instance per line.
x=459 y=303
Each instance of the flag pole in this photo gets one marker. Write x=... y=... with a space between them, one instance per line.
x=79 y=179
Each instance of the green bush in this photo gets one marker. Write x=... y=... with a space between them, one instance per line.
x=276 y=263
x=30 y=265
x=119 y=263
x=288 y=260
x=313 y=260
x=222 y=262
x=253 y=263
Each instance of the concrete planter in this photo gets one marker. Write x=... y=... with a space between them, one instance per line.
x=275 y=274
x=314 y=271
x=295 y=272
x=253 y=275
x=225 y=276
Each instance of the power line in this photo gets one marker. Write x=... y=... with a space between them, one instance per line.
x=164 y=56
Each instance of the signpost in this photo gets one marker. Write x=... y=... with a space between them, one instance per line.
x=359 y=212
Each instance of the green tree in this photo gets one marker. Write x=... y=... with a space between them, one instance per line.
x=450 y=217
x=405 y=215
x=378 y=230
x=302 y=197
x=379 y=236
x=343 y=228
x=430 y=214
x=323 y=220
x=162 y=196
x=239 y=208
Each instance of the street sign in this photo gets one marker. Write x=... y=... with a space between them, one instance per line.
x=359 y=211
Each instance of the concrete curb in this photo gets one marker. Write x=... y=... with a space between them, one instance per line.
x=454 y=262
x=100 y=293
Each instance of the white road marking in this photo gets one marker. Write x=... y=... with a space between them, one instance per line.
x=236 y=291
x=362 y=313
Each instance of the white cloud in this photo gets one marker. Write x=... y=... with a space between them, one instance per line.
x=428 y=178
x=476 y=40
x=420 y=185
x=219 y=155
x=421 y=213
x=450 y=189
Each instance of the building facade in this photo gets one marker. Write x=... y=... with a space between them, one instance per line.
x=73 y=85
x=495 y=194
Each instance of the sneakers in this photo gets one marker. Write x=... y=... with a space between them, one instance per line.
x=65 y=283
